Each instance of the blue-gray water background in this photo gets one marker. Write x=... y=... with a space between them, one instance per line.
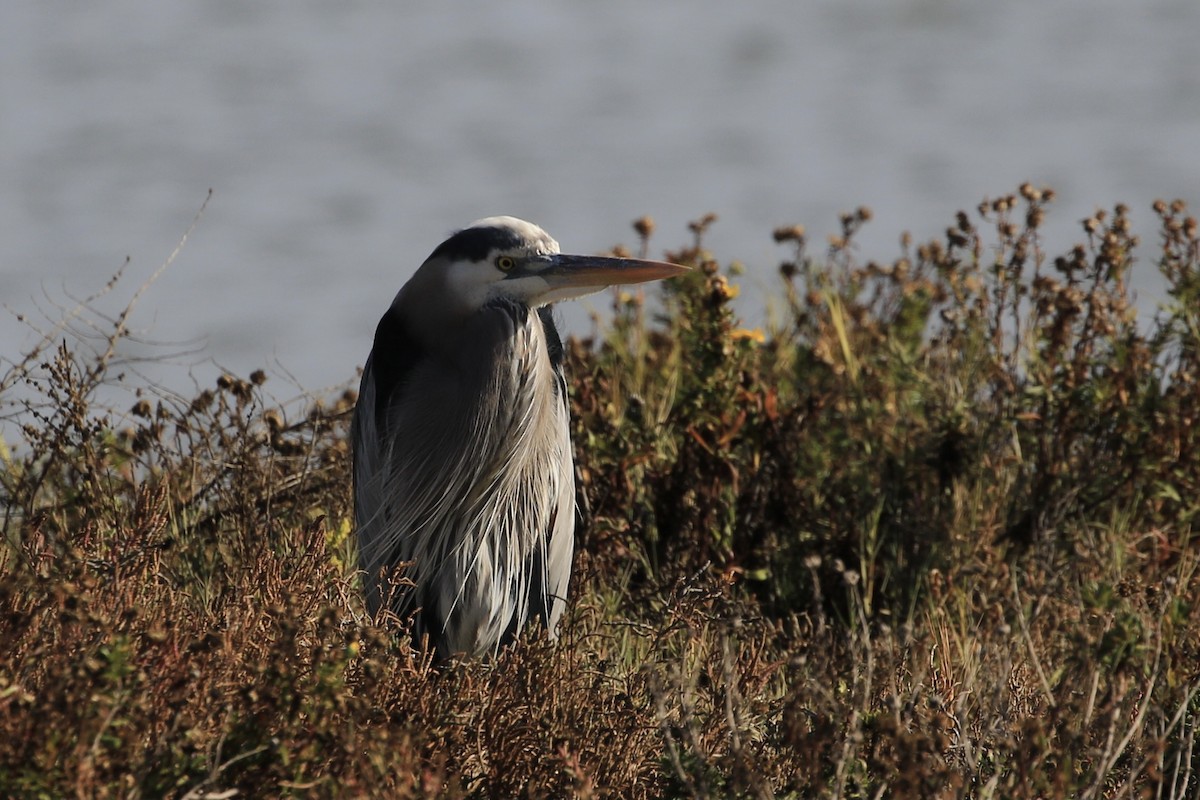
x=344 y=140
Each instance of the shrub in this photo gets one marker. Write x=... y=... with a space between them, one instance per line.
x=931 y=534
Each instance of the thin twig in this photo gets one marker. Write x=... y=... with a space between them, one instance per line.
x=1037 y=665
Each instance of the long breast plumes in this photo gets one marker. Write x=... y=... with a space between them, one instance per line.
x=473 y=492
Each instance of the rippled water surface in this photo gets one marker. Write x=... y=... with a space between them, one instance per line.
x=342 y=141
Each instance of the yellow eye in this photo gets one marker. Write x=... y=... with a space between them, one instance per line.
x=505 y=263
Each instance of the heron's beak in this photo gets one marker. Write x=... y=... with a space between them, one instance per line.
x=606 y=271
x=568 y=276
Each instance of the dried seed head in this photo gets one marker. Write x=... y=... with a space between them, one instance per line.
x=789 y=233
x=201 y=401
x=1043 y=283
x=644 y=226
x=698 y=226
x=1029 y=192
x=258 y=377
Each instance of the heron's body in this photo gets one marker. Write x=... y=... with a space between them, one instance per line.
x=464 y=484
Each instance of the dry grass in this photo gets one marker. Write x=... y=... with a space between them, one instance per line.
x=932 y=536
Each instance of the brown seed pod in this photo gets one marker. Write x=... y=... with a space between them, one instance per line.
x=644 y=226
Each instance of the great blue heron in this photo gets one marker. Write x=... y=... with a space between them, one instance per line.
x=462 y=455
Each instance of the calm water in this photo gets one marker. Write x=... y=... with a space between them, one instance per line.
x=343 y=140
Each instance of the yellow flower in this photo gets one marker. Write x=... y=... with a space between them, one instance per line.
x=751 y=334
x=723 y=289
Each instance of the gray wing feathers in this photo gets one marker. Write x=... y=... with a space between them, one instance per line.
x=465 y=471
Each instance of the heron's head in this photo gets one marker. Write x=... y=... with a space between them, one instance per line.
x=506 y=257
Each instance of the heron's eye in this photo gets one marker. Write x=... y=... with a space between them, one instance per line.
x=505 y=263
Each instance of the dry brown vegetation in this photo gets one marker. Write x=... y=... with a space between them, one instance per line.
x=932 y=535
